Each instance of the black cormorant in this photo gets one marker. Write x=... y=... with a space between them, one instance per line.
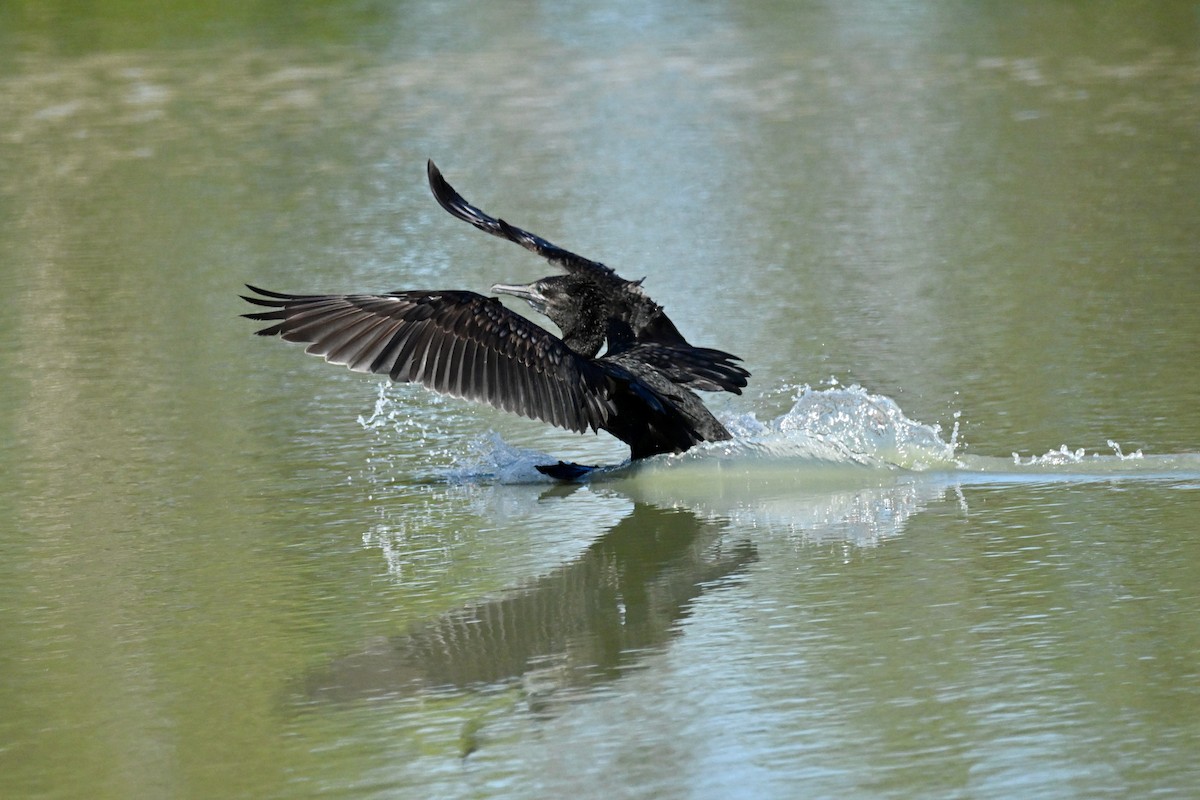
x=470 y=346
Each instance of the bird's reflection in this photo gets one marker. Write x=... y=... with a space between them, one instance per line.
x=584 y=623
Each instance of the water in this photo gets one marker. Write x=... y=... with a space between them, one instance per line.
x=952 y=550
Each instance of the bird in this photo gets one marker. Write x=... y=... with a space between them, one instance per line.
x=471 y=346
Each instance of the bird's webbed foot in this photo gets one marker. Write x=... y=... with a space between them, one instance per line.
x=564 y=471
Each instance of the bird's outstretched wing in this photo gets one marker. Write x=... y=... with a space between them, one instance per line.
x=453 y=202
x=636 y=324
x=453 y=342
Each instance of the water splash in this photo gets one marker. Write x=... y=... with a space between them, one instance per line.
x=836 y=435
x=407 y=437
x=843 y=425
x=1063 y=456
x=490 y=458
x=836 y=426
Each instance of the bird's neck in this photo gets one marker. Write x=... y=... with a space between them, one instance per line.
x=584 y=342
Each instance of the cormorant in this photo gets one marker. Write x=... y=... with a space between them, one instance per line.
x=470 y=346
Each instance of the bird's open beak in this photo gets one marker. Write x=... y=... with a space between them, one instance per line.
x=527 y=292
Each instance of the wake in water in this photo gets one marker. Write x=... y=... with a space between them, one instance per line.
x=827 y=434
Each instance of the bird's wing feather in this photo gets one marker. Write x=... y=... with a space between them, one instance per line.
x=695 y=367
x=453 y=342
x=453 y=202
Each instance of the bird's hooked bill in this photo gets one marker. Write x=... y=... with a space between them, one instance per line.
x=527 y=292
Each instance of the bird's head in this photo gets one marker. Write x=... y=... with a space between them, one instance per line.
x=571 y=303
